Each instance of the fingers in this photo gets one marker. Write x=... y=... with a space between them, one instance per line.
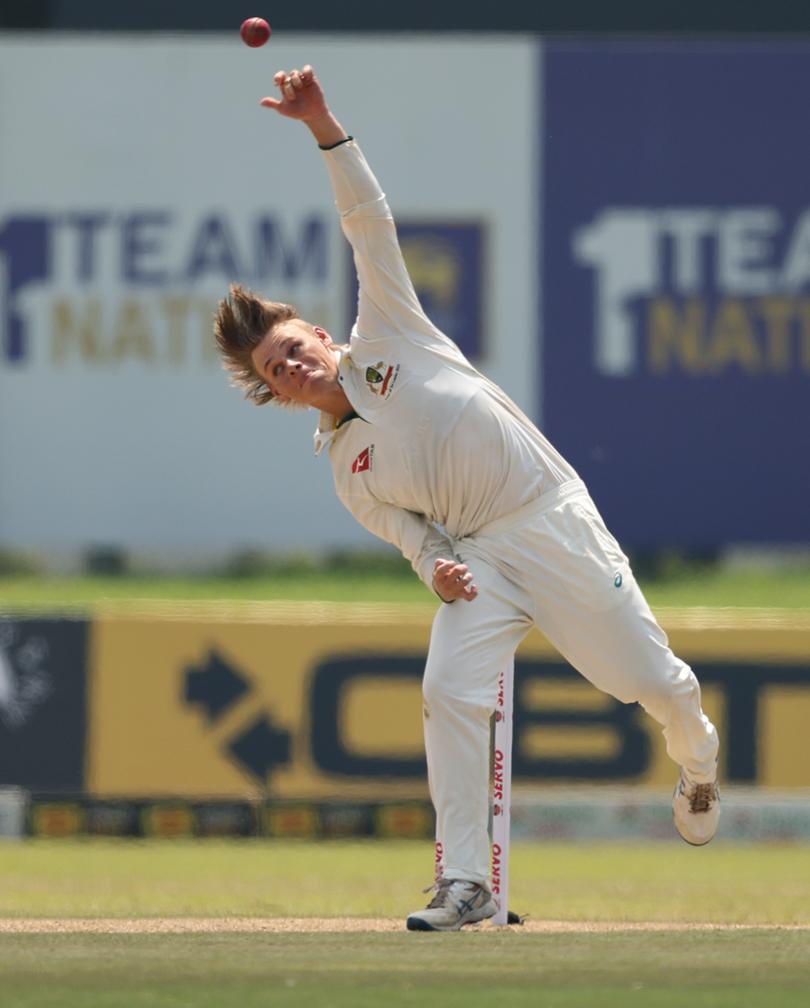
x=452 y=572
x=283 y=82
x=453 y=580
x=290 y=84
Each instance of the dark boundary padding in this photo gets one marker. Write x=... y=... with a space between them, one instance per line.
x=588 y=16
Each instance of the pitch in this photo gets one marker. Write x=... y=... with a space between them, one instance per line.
x=314 y=925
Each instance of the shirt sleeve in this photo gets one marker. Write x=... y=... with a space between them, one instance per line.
x=387 y=302
x=418 y=541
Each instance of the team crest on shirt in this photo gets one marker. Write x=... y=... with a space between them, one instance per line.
x=364 y=460
x=381 y=378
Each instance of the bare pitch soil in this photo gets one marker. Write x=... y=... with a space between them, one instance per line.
x=304 y=925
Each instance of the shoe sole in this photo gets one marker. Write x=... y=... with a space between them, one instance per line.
x=692 y=843
x=417 y=924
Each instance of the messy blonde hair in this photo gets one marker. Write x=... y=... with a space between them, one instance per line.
x=242 y=321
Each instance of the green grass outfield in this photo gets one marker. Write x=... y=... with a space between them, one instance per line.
x=715 y=587
x=620 y=970
x=764 y=890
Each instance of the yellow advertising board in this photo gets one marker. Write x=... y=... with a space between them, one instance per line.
x=302 y=702
x=289 y=703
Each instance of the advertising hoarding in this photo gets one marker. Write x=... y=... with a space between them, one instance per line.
x=325 y=703
x=138 y=177
x=676 y=284
x=43 y=703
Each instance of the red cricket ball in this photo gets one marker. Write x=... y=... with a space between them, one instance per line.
x=255 y=32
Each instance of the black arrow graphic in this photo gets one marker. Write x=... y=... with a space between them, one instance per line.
x=261 y=747
x=214 y=685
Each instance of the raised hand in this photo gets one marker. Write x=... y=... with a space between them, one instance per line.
x=301 y=93
x=302 y=98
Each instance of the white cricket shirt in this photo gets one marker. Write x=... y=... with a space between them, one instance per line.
x=435 y=443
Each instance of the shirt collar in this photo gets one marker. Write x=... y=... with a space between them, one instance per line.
x=327 y=428
x=327 y=424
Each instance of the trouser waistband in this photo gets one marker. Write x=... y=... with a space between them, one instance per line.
x=545 y=502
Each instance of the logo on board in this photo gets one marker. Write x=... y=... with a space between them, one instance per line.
x=698 y=290
x=107 y=286
x=24 y=679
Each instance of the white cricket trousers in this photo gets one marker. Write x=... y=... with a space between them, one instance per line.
x=555 y=565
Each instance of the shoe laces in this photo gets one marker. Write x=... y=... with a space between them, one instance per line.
x=701 y=797
x=441 y=891
x=439 y=888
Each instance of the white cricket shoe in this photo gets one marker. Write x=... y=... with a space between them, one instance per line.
x=455 y=903
x=696 y=809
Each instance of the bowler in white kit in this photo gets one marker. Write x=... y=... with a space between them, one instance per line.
x=430 y=455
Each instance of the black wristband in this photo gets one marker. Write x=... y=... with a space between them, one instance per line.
x=332 y=146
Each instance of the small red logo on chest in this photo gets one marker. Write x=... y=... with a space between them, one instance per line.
x=363 y=461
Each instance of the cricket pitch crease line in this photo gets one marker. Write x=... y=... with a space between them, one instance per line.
x=304 y=925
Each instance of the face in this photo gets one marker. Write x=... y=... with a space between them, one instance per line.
x=298 y=364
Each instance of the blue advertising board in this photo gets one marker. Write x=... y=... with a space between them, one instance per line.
x=675 y=215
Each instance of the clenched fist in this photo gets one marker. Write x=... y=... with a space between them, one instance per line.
x=453 y=580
